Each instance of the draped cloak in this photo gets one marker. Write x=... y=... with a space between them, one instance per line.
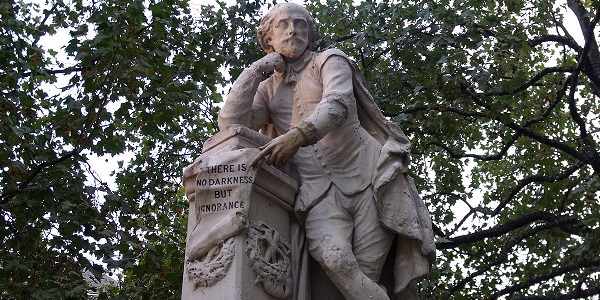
x=400 y=208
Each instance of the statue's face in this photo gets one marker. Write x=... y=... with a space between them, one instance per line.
x=289 y=35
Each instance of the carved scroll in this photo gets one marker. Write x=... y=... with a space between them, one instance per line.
x=202 y=240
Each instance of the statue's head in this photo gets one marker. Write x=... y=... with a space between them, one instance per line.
x=270 y=31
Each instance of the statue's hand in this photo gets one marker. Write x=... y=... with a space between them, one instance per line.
x=270 y=62
x=280 y=149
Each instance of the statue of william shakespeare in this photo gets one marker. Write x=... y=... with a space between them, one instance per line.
x=355 y=196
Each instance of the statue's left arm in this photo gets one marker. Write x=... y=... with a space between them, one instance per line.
x=331 y=112
x=336 y=103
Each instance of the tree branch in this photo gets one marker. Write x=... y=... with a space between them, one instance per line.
x=443 y=108
x=505 y=228
x=505 y=120
x=47 y=72
x=531 y=81
x=593 y=289
x=46 y=16
x=507 y=248
x=378 y=55
x=558 y=271
x=496 y=156
x=537 y=178
x=567 y=41
x=583 y=56
x=592 y=55
x=559 y=94
x=543 y=139
x=346 y=37
x=7 y=195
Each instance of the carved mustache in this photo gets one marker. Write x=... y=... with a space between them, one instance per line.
x=293 y=38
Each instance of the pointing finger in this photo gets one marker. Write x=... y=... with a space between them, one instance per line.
x=260 y=156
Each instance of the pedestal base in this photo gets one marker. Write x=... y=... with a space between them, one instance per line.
x=239 y=224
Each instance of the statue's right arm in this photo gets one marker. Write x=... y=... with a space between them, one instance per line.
x=244 y=105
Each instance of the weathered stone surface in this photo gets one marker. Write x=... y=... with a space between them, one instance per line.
x=238 y=230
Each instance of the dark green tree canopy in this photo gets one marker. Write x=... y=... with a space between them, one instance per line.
x=500 y=101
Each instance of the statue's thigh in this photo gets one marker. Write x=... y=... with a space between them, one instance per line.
x=371 y=242
x=329 y=229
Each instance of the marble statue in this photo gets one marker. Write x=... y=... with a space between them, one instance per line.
x=354 y=197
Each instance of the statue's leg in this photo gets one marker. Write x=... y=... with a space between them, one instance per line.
x=329 y=230
x=371 y=242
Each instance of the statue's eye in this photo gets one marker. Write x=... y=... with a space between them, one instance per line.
x=282 y=24
x=300 y=24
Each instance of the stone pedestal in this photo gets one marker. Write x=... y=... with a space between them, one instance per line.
x=238 y=244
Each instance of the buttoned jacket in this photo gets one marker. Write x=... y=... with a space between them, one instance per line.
x=318 y=88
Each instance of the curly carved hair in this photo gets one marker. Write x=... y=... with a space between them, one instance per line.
x=264 y=30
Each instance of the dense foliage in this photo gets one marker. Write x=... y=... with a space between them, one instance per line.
x=500 y=101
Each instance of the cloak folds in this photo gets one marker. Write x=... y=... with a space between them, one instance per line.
x=400 y=208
